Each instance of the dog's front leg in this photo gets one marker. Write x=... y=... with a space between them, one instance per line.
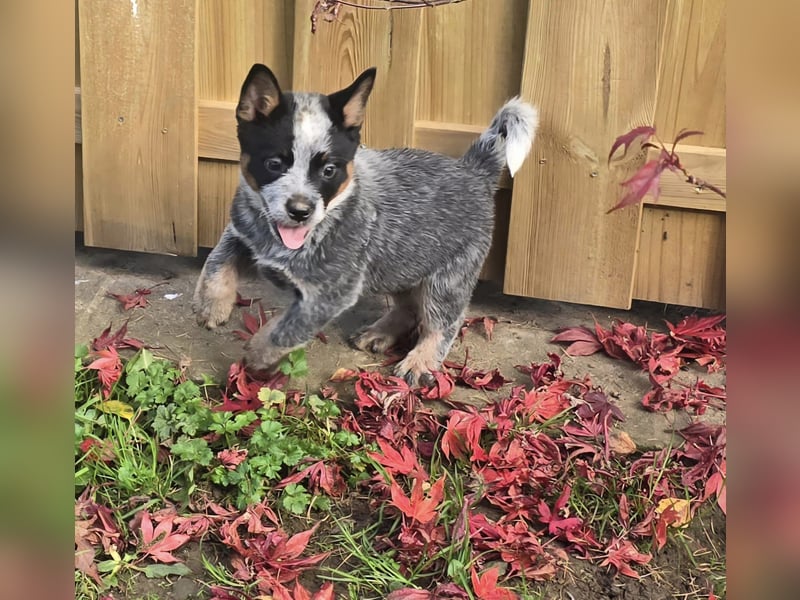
x=215 y=293
x=294 y=328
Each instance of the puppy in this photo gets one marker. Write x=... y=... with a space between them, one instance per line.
x=334 y=220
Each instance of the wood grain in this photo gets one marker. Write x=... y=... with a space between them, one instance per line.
x=692 y=84
x=234 y=34
x=707 y=163
x=338 y=52
x=217 y=181
x=138 y=110
x=470 y=60
x=590 y=66
x=682 y=257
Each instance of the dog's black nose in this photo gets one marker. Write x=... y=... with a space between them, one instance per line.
x=298 y=208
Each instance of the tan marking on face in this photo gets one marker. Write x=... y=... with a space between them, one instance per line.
x=244 y=161
x=350 y=170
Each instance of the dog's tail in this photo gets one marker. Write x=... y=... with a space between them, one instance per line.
x=507 y=141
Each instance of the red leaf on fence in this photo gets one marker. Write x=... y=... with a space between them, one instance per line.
x=642 y=134
x=683 y=134
x=646 y=180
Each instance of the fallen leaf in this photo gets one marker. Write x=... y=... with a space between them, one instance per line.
x=108 y=367
x=138 y=299
x=680 y=509
x=342 y=374
x=486 y=588
x=115 y=407
x=416 y=506
x=158 y=543
x=584 y=341
x=621 y=443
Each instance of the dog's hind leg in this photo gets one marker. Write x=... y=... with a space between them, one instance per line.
x=443 y=299
x=396 y=324
x=215 y=293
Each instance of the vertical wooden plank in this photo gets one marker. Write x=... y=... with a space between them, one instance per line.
x=138 y=124
x=682 y=257
x=78 y=188
x=691 y=90
x=232 y=35
x=591 y=67
x=466 y=83
x=338 y=52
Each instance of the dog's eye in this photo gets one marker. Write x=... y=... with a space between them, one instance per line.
x=274 y=165
x=329 y=170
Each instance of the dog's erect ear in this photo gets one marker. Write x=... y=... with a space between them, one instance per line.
x=351 y=102
x=260 y=94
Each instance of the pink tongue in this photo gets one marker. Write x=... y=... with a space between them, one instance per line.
x=293 y=237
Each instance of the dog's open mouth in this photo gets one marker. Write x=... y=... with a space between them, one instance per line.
x=293 y=237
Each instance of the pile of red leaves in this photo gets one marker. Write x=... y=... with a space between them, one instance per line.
x=701 y=340
x=530 y=463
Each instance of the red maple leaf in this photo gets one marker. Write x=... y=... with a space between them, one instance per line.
x=232 y=457
x=105 y=340
x=138 y=299
x=324 y=593
x=242 y=388
x=240 y=301
x=485 y=586
x=417 y=507
x=463 y=434
x=622 y=554
x=158 y=543
x=639 y=134
x=320 y=475
x=403 y=462
x=108 y=367
x=584 y=341
x=646 y=180
x=487 y=322
x=252 y=322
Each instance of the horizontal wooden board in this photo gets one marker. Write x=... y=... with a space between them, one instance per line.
x=681 y=257
x=706 y=163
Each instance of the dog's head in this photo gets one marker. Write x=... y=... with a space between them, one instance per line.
x=298 y=149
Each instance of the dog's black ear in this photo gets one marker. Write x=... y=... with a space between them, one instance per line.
x=351 y=102
x=261 y=94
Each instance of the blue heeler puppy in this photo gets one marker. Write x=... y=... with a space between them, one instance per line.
x=335 y=220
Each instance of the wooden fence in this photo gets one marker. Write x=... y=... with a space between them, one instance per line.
x=157 y=156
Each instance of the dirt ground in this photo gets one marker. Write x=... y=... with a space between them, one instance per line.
x=521 y=336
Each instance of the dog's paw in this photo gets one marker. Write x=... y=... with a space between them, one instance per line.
x=416 y=373
x=211 y=313
x=373 y=340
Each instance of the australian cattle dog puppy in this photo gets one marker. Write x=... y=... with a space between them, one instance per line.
x=334 y=220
